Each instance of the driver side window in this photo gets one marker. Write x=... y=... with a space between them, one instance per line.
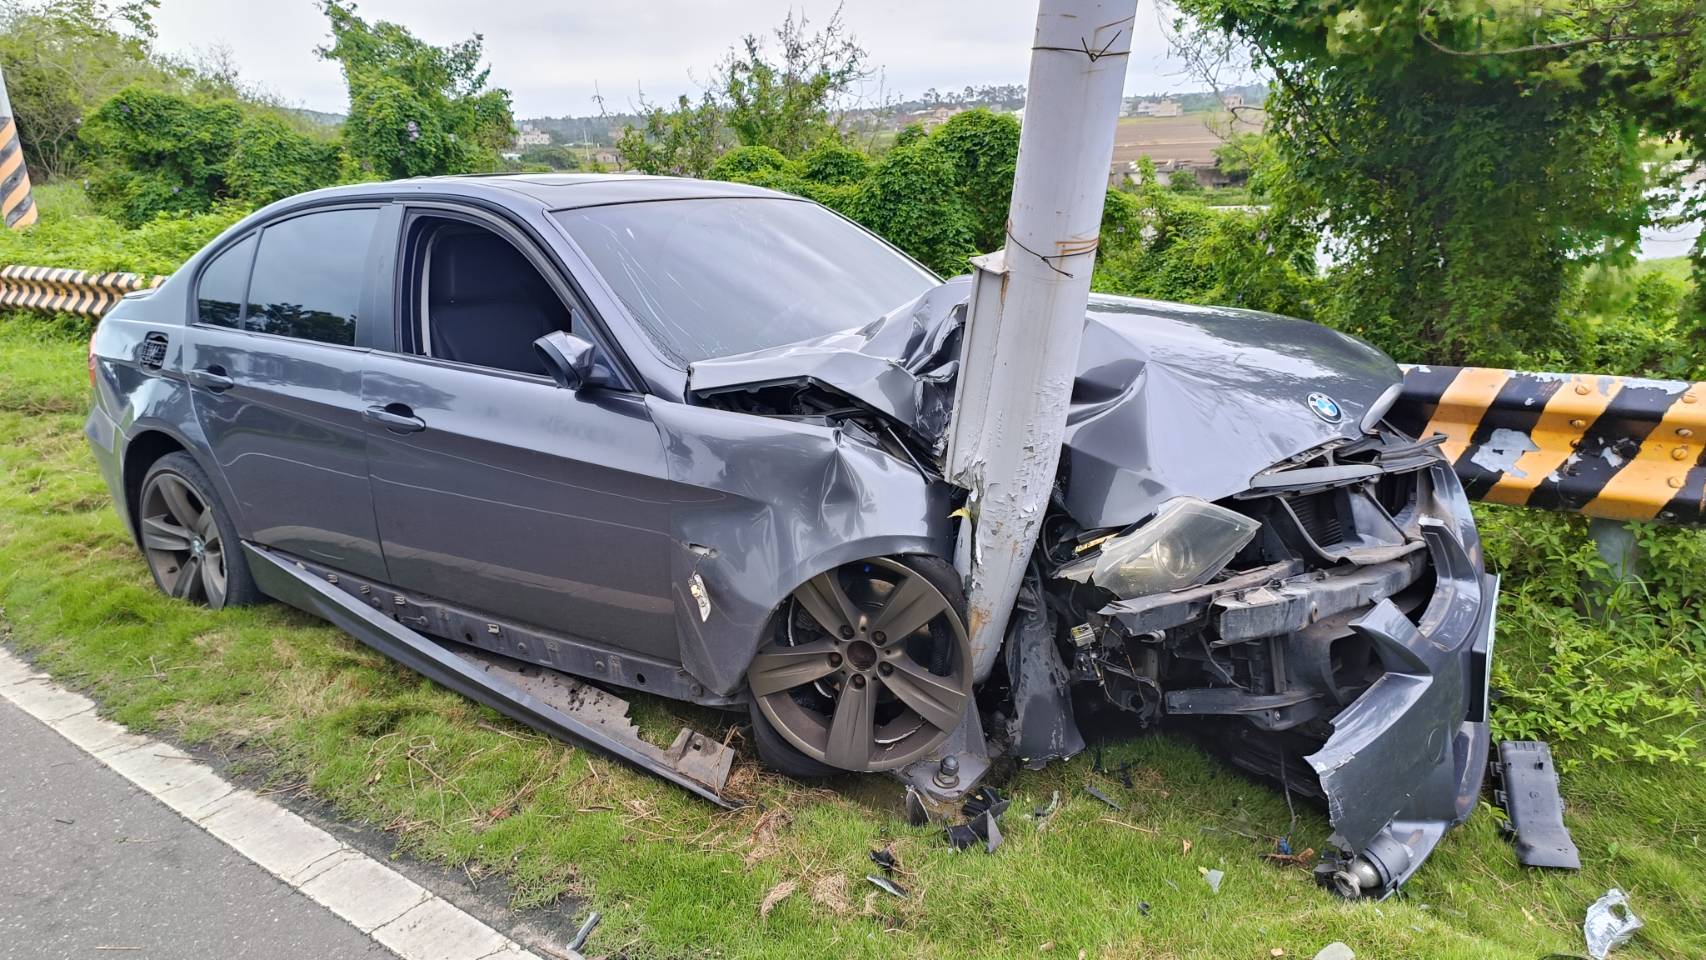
x=474 y=298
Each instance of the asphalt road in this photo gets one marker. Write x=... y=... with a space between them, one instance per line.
x=92 y=868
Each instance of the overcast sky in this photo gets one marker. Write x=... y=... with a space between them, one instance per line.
x=550 y=55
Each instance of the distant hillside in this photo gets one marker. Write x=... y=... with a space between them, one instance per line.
x=319 y=117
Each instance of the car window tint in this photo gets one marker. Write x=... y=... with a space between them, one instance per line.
x=219 y=298
x=309 y=276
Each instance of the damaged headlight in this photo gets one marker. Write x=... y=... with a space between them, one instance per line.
x=1188 y=542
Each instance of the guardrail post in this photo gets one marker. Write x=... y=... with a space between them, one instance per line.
x=1617 y=547
x=17 y=206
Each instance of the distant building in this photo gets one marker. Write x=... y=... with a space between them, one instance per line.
x=1136 y=107
x=1232 y=101
x=531 y=136
x=934 y=117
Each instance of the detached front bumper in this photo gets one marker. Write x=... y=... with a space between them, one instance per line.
x=1406 y=759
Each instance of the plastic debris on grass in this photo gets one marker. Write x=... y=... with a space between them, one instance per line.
x=1336 y=951
x=887 y=886
x=1609 y=924
x=1212 y=878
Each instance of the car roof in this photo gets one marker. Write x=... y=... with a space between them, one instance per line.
x=564 y=191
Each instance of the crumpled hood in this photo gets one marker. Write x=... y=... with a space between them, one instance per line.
x=1170 y=400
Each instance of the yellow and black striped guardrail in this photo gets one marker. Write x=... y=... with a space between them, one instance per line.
x=1619 y=448
x=68 y=291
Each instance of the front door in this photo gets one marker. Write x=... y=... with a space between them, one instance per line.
x=495 y=489
x=276 y=381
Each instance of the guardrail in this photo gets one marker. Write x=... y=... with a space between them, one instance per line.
x=68 y=291
x=1618 y=448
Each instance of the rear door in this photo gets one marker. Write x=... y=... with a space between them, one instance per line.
x=495 y=489
x=275 y=371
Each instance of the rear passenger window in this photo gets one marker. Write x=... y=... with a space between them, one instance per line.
x=219 y=299
x=309 y=276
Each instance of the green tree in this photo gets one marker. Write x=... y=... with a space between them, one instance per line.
x=682 y=142
x=1468 y=158
x=62 y=59
x=984 y=148
x=415 y=109
x=786 y=103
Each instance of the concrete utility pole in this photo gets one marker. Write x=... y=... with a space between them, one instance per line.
x=17 y=207
x=1026 y=316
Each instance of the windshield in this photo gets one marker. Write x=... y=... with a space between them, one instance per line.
x=717 y=277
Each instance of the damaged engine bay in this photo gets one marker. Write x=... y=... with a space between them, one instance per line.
x=1238 y=548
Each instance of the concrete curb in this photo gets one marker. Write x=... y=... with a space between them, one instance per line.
x=407 y=918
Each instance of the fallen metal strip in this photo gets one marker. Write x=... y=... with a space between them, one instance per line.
x=551 y=703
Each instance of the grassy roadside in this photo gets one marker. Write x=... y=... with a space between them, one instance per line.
x=462 y=786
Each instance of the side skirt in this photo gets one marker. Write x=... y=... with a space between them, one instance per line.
x=547 y=701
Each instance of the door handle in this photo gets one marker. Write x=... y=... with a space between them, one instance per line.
x=212 y=378
x=397 y=418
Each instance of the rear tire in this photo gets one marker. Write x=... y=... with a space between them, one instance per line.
x=188 y=539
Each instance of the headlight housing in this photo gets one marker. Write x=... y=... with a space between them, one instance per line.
x=1188 y=541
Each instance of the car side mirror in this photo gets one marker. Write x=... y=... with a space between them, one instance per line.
x=573 y=362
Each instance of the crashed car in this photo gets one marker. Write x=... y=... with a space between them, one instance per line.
x=548 y=438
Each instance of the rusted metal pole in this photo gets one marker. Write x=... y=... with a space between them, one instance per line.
x=17 y=207
x=1026 y=316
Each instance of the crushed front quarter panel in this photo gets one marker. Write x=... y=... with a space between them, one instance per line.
x=777 y=502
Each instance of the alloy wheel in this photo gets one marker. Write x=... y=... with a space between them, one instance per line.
x=181 y=540
x=870 y=668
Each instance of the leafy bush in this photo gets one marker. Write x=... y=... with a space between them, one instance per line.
x=912 y=198
x=747 y=164
x=272 y=161
x=984 y=148
x=834 y=164
x=71 y=234
x=159 y=152
x=1615 y=669
x=1159 y=244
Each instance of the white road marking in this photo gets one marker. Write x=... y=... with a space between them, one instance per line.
x=407 y=918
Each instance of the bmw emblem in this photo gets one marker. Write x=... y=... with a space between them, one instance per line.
x=1326 y=407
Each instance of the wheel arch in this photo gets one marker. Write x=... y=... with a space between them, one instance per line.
x=147 y=443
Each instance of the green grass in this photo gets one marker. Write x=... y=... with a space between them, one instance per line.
x=460 y=785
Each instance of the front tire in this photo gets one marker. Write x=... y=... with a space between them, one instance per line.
x=868 y=668
x=188 y=538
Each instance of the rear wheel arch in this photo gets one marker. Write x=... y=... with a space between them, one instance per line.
x=141 y=452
